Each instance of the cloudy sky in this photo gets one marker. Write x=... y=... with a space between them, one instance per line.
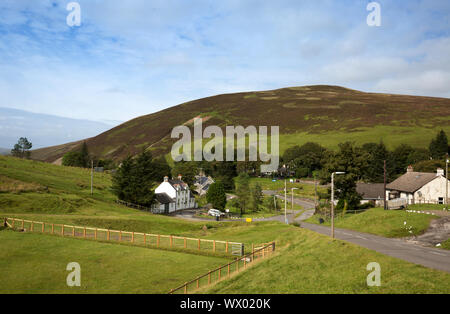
x=135 y=57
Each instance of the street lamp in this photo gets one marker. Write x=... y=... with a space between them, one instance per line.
x=292 y=200
x=285 y=202
x=332 y=201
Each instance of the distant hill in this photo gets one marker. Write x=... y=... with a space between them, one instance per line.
x=45 y=130
x=4 y=151
x=324 y=114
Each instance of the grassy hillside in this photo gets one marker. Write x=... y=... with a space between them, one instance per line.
x=314 y=264
x=325 y=114
x=35 y=263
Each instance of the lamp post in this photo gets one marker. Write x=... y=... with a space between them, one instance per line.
x=332 y=201
x=292 y=198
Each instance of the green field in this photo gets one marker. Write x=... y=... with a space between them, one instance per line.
x=314 y=264
x=378 y=221
x=35 y=263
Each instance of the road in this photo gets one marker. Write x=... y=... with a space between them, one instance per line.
x=398 y=248
x=428 y=257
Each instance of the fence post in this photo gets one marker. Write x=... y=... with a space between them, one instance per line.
x=73 y=231
x=132 y=237
x=32 y=225
x=185 y=243
x=62 y=230
x=157 y=240
x=43 y=227
x=198 y=284
x=209 y=277
x=226 y=247
x=14 y=222
x=107 y=235
x=214 y=245
x=237 y=265
x=185 y=288
x=253 y=252
x=171 y=241
x=199 y=244
x=229 y=269
x=84 y=232
x=273 y=246
x=220 y=272
x=95 y=234
x=53 y=228
x=145 y=239
x=23 y=224
x=120 y=235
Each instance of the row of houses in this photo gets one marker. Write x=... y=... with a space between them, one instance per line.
x=414 y=187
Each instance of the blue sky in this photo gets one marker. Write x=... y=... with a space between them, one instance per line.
x=130 y=58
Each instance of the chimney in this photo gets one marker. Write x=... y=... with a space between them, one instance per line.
x=179 y=177
x=166 y=179
x=410 y=169
x=440 y=172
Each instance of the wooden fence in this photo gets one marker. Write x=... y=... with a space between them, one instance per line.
x=146 y=239
x=225 y=271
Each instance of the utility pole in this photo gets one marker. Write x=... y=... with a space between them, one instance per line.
x=446 y=183
x=332 y=202
x=315 y=192
x=92 y=177
x=285 y=202
x=385 y=204
x=292 y=200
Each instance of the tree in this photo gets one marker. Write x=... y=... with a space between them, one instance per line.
x=135 y=178
x=374 y=170
x=257 y=197
x=439 y=146
x=243 y=191
x=85 y=156
x=216 y=195
x=73 y=159
x=188 y=169
x=22 y=148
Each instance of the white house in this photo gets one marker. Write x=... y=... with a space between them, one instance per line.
x=173 y=195
x=419 y=187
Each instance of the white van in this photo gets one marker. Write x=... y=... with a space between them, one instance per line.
x=215 y=212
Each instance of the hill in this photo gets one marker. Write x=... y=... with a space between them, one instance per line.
x=4 y=151
x=325 y=114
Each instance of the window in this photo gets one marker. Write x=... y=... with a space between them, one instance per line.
x=441 y=200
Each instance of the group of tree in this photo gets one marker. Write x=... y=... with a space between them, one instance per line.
x=22 y=148
x=83 y=159
x=136 y=178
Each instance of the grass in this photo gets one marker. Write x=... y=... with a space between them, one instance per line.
x=305 y=262
x=314 y=264
x=36 y=263
x=377 y=221
x=446 y=245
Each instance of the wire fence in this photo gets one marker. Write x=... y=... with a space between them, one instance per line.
x=225 y=271
x=146 y=239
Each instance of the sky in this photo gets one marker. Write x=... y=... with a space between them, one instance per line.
x=135 y=57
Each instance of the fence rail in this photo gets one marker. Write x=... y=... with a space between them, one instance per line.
x=225 y=271
x=146 y=239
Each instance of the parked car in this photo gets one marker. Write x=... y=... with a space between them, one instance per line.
x=215 y=212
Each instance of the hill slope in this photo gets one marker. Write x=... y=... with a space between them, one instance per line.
x=325 y=114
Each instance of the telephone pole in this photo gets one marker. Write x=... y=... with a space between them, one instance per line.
x=385 y=204
x=285 y=202
x=92 y=177
x=446 y=183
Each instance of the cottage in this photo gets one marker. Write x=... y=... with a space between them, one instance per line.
x=202 y=184
x=419 y=187
x=371 y=193
x=173 y=195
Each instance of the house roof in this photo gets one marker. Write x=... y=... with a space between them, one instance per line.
x=370 y=191
x=412 y=181
x=178 y=183
x=163 y=198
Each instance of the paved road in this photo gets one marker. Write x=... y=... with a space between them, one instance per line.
x=428 y=257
